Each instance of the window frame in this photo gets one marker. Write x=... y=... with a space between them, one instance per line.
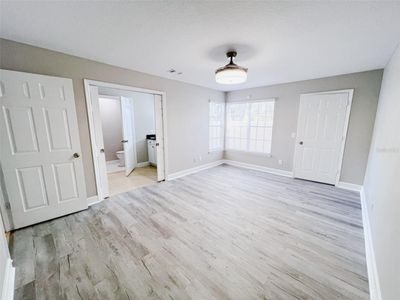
x=250 y=101
x=222 y=126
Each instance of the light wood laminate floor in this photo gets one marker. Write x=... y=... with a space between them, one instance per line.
x=224 y=233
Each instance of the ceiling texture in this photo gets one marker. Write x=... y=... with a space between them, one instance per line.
x=278 y=41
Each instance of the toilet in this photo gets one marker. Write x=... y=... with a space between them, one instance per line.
x=121 y=158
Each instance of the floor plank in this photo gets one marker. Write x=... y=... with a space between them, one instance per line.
x=224 y=233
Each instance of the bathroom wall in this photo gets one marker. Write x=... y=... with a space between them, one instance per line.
x=144 y=118
x=111 y=123
x=144 y=123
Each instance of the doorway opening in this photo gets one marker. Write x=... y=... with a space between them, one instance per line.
x=127 y=135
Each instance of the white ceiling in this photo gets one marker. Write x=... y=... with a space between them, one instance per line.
x=278 y=41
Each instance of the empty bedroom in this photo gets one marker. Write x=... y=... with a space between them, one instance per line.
x=200 y=150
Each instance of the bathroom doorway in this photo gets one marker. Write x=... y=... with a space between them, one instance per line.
x=117 y=115
x=128 y=125
x=127 y=135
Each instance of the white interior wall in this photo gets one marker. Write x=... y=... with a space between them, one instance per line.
x=382 y=182
x=111 y=123
x=143 y=105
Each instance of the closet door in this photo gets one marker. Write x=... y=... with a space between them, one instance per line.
x=321 y=132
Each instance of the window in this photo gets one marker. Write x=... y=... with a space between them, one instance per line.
x=249 y=126
x=216 y=126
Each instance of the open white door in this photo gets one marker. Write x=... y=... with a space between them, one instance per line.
x=159 y=137
x=99 y=157
x=40 y=148
x=129 y=140
x=321 y=133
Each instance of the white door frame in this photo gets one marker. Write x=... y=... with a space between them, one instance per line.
x=87 y=83
x=350 y=93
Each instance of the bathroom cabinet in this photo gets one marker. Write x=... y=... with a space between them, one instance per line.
x=152 y=152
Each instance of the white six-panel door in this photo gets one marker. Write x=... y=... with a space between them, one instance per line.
x=40 y=149
x=321 y=132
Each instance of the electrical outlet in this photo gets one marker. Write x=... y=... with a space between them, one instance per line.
x=194 y=159
x=293 y=135
x=200 y=158
x=280 y=161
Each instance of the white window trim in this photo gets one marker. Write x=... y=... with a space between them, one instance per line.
x=262 y=154
x=222 y=149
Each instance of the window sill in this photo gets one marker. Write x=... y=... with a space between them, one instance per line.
x=215 y=151
x=249 y=152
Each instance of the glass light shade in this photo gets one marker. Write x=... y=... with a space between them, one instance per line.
x=231 y=74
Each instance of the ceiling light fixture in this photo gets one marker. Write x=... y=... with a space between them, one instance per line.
x=231 y=73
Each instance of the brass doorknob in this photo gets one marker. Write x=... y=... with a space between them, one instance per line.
x=75 y=155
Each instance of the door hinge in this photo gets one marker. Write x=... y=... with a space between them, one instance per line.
x=7 y=205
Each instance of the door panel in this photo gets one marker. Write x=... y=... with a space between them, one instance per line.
x=99 y=154
x=159 y=137
x=20 y=129
x=57 y=129
x=39 y=128
x=32 y=188
x=320 y=136
x=129 y=137
x=65 y=177
x=308 y=158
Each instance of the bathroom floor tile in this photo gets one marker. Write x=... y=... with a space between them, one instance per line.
x=119 y=183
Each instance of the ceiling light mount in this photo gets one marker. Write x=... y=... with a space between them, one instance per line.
x=231 y=73
x=231 y=55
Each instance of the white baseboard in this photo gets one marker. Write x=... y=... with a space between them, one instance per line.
x=143 y=164
x=183 y=173
x=373 y=279
x=349 y=186
x=258 y=168
x=232 y=163
x=93 y=200
x=8 y=284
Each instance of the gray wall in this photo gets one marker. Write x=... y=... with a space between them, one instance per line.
x=382 y=182
x=187 y=104
x=111 y=124
x=366 y=87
